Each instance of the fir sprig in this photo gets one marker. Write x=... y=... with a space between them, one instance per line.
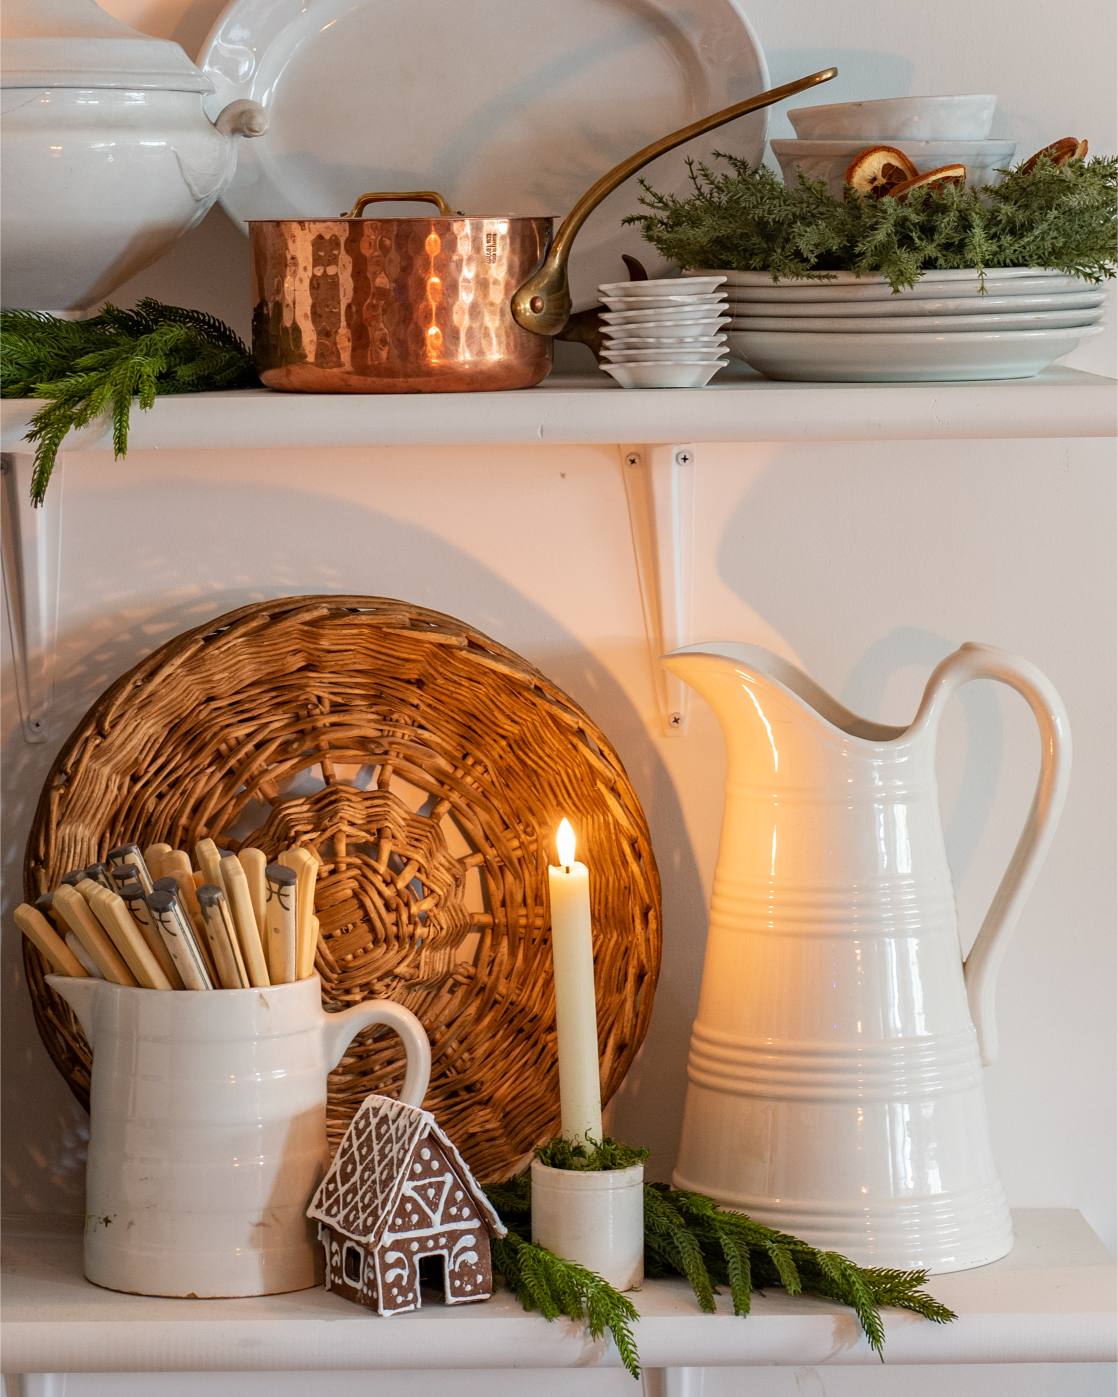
x=742 y=218
x=86 y=368
x=688 y=1234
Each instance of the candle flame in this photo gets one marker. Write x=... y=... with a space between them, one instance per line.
x=565 y=843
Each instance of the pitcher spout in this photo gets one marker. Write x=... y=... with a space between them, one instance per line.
x=740 y=681
x=81 y=996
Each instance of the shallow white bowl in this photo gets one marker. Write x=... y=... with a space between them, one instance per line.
x=887 y=120
x=829 y=160
x=662 y=375
x=863 y=306
x=906 y=358
x=918 y=324
x=675 y=286
x=845 y=286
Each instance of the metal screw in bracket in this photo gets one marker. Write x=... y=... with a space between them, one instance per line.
x=675 y=720
x=683 y=458
x=632 y=459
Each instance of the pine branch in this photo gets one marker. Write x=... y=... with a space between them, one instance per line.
x=746 y=219
x=689 y=1235
x=83 y=369
x=544 y=1282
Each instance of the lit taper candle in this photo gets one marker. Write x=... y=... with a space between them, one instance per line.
x=576 y=1018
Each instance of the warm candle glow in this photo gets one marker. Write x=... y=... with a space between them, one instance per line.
x=565 y=843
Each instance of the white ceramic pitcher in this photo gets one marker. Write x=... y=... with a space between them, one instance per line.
x=835 y=1073
x=208 y=1131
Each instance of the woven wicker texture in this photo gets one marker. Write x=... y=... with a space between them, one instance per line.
x=428 y=767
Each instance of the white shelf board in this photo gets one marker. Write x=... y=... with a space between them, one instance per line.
x=589 y=408
x=1051 y=1300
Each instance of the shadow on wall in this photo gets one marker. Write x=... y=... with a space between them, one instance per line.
x=833 y=539
x=172 y=590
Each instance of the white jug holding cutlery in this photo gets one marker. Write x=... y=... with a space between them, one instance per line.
x=208 y=1132
x=835 y=1073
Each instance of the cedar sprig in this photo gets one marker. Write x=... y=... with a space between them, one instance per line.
x=83 y=369
x=743 y=218
x=688 y=1234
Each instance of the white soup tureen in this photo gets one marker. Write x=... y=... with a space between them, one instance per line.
x=108 y=156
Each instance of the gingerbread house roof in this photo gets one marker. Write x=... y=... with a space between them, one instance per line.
x=358 y=1196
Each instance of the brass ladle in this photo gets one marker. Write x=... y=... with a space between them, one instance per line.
x=542 y=304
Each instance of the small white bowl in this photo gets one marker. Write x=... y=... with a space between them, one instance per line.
x=663 y=356
x=698 y=305
x=674 y=330
x=667 y=316
x=706 y=334
x=829 y=160
x=886 y=120
x=674 y=286
x=662 y=375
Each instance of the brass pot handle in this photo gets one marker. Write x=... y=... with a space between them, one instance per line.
x=543 y=303
x=416 y=196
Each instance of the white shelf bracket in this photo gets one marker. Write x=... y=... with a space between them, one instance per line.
x=659 y=486
x=32 y=555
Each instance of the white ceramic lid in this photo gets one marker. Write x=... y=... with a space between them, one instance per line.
x=74 y=43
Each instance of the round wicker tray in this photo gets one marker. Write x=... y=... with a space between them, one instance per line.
x=428 y=766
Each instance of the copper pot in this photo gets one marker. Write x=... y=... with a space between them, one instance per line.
x=431 y=304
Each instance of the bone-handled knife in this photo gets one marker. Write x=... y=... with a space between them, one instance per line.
x=178 y=935
x=47 y=941
x=279 y=916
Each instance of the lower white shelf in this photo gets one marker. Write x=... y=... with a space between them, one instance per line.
x=1052 y=1300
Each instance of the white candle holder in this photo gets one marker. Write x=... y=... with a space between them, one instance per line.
x=594 y=1217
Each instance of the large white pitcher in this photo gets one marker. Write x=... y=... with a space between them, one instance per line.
x=835 y=1073
x=208 y=1132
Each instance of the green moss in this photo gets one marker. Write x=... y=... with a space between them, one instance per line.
x=589 y=1154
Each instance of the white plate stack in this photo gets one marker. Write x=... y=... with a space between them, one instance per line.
x=666 y=333
x=855 y=329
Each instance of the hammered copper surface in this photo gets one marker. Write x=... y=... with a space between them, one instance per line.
x=395 y=305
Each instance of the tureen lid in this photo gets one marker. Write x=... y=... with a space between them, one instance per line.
x=74 y=43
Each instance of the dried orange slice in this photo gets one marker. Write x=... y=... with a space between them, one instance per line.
x=1059 y=152
x=946 y=174
x=877 y=169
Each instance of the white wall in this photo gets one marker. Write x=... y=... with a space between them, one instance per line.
x=865 y=563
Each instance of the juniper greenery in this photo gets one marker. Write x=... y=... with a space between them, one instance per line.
x=741 y=218
x=687 y=1234
x=84 y=368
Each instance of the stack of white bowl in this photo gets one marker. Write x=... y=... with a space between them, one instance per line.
x=665 y=333
x=856 y=329
x=931 y=131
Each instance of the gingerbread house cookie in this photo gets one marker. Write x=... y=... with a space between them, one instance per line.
x=398 y=1207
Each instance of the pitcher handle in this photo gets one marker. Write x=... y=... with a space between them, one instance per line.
x=973 y=661
x=339 y=1030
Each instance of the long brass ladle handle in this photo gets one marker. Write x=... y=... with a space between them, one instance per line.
x=543 y=303
x=409 y=196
